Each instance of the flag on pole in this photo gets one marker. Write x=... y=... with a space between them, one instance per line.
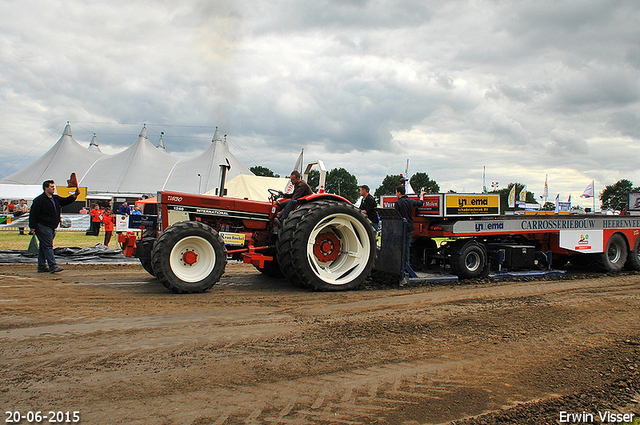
x=545 y=191
x=557 y=204
x=484 y=181
x=407 y=186
x=512 y=197
x=298 y=167
x=523 y=194
x=588 y=192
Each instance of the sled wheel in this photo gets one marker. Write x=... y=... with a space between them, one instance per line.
x=633 y=259
x=189 y=257
x=470 y=262
x=614 y=256
x=333 y=247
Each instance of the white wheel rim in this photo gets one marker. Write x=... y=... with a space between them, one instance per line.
x=472 y=261
x=201 y=268
x=614 y=252
x=355 y=249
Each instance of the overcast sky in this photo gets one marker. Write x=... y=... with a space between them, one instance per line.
x=524 y=88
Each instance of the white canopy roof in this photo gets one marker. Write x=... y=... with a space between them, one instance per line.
x=252 y=187
x=141 y=168
x=184 y=176
x=20 y=191
x=65 y=157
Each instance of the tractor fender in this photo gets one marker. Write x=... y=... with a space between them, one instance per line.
x=323 y=197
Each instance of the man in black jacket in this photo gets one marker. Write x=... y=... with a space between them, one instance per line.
x=44 y=218
x=404 y=205
x=368 y=206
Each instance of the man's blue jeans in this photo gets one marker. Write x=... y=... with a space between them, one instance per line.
x=407 y=241
x=45 y=235
x=288 y=208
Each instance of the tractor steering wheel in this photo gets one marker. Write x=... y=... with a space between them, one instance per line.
x=275 y=194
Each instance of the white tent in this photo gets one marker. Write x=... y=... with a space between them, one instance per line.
x=202 y=173
x=65 y=157
x=252 y=187
x=141 y=168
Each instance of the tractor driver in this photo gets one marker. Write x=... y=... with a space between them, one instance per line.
x=300 y=189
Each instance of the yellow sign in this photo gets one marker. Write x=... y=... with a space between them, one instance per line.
x=471 y=204
x=233 y=239
x=68 y=191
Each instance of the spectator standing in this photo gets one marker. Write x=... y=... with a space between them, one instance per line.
x=11 y=206
x=20 y=210
x=44 y=218
x=368 y=206
x=83 y=211
x=95 y=219
x=136 y=211
x=405 y=207
x=124 y=209
x=108 y=219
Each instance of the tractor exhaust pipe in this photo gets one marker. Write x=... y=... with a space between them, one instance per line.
x=223 y=176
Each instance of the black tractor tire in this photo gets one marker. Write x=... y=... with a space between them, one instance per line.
x=333 y=246
x=146 y=249
x=633 y=259
x=470 y=262
x=189 y=257
x=614 y=256
x=283 y=246
x=271 y=268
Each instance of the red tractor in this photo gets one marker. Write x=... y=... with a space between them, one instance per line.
x=325 y=244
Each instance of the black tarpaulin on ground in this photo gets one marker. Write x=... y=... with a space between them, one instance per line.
x=99 y=254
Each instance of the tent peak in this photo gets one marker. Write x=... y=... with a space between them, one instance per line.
x=94 y=143
x=216 y=136
x=160 y=144
x=67 y=130
x=143 y=132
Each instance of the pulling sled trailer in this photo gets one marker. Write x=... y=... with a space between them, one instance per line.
x=465 y=235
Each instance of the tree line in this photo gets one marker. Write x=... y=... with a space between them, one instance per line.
x=345 y=184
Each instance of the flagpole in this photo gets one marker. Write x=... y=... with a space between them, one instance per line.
x=593 y=183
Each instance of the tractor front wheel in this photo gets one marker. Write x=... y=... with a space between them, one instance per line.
x=189 y=257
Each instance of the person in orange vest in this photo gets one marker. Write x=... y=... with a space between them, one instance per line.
x=95 y=219
x=108 y=219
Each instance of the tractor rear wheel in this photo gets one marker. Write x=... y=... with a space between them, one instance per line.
x=147 y=242
x=189 y=257
x=283 y=247
x=333 y=246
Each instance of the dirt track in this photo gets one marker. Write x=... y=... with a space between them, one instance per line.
x=112 y=343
